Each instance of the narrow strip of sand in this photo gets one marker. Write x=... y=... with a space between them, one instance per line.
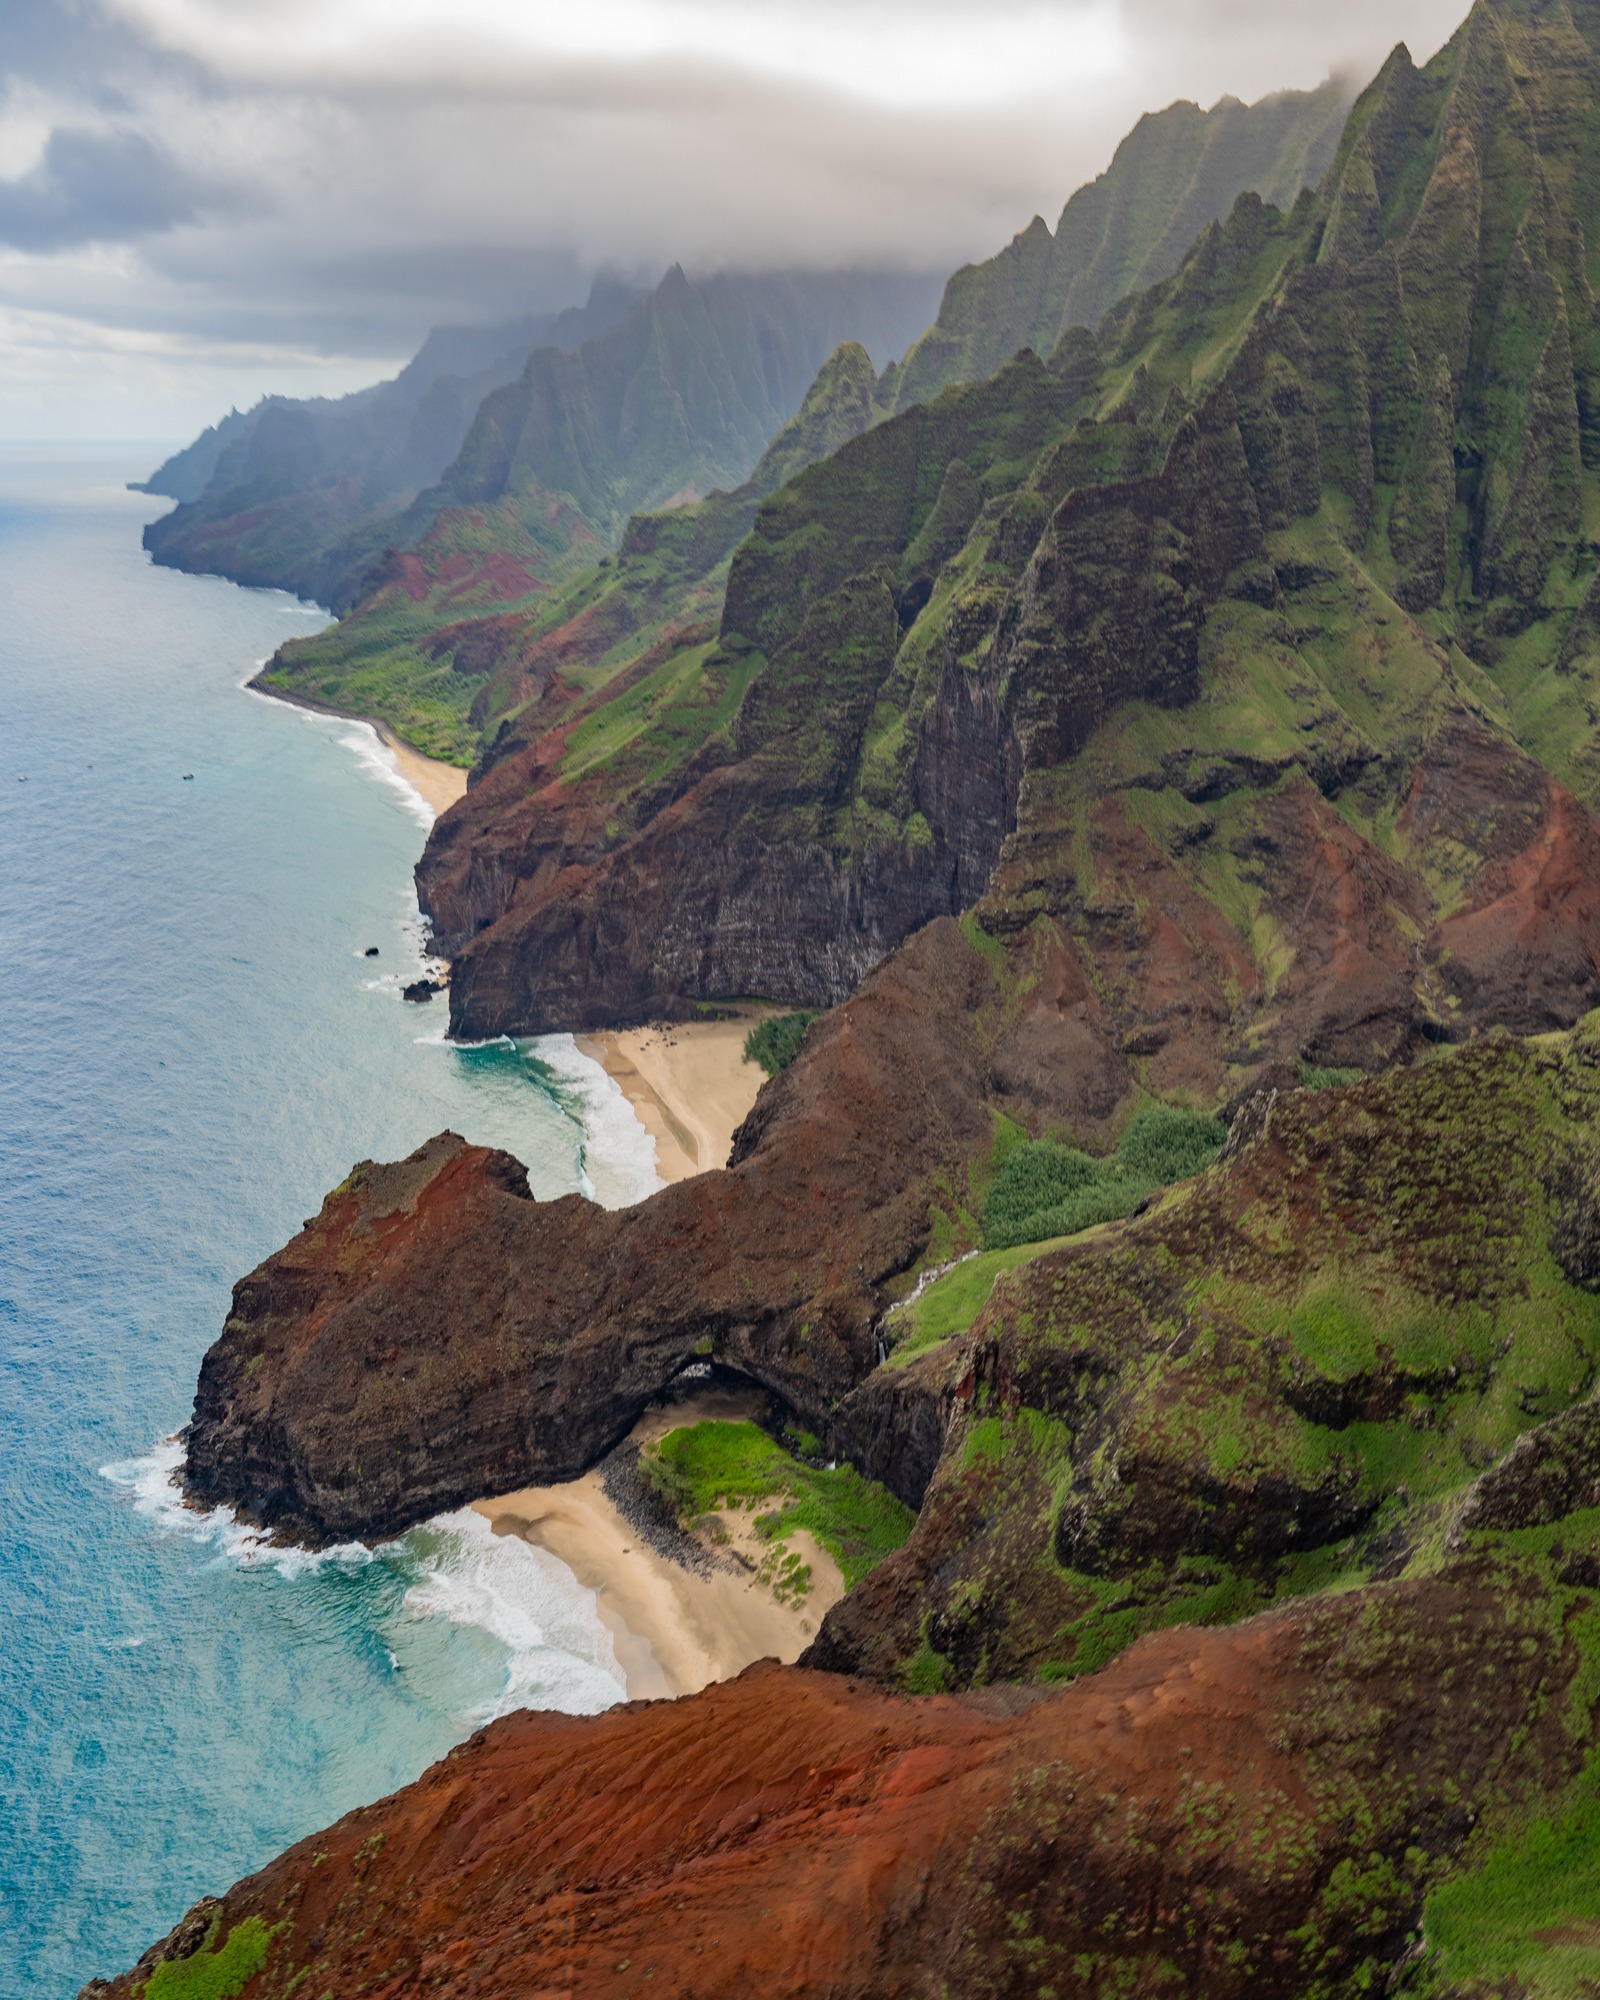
x=675 y=1629
x=689 y=1084
x=440 y=784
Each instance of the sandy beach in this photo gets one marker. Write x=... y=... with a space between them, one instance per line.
x=440 y=784
x=689 y=1084
x=675 y=1630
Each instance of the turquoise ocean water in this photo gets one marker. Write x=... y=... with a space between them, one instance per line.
x=192 y=1050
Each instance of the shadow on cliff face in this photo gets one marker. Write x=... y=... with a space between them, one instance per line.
x=561 y=913
x=435 y=1335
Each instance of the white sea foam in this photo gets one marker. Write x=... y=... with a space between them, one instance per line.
x=363 y=741
x=617 y=1161
x=558 y=1652
x=152 y=1484
x=374 y=755
x=414 y=932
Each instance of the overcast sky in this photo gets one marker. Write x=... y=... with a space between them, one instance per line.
x=201 y=200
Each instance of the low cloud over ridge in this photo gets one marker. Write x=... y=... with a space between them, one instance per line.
x=323 y=181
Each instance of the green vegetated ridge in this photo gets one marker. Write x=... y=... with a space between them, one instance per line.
x=1177 y=171
x=1280 y=589
x=1279 y=1374
x=1047 y=1189
x=513 y=598
x=1302 y=1372
x=1040 y=1191
x=710 y=1465
x=698 y=412
x=1215 y=583
x=1311 y=516
x=297 y=494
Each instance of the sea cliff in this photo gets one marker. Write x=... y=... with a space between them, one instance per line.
x=1170 y=762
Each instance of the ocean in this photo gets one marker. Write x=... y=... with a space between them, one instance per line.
x=195 y=1047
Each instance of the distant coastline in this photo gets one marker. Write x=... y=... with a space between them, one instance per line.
x=679 y=1618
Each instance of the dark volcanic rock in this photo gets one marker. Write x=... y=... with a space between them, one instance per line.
x=1548 y=1474
x=895 y=1425
x=434 y=1334
x=1168 y=1415
x=1165 y=544
x=567 y=917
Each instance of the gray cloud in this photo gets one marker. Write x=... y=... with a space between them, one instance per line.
x=337 y=197
x=92 y=187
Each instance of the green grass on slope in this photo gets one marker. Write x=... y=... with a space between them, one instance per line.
x=213 y=1975
x=1529 y=1912
x=953 y=1302
x=1319 y=1076
x=609 y=728
x=1234 y=1346
x=710 y=1465
x=1045 y=1189
x=427 y=704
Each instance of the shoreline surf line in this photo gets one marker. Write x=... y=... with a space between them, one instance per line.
x=674 y=1629
x=580 y=1069
x=688 y=1083
x=437 y=784
x=559 y=1649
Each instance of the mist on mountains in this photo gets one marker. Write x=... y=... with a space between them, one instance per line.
x=200 y=204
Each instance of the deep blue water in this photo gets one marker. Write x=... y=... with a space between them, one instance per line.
x=192 y=1050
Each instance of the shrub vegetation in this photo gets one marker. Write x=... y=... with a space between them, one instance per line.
x=709 y=1465
x=213 y=1975
x=774 y=1043
x=1047 y=1189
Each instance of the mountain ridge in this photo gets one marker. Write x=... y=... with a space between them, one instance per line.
x=287 y=495
x=1195 y=722
x=552 y=446
x=1046 y=282
x=1048 y=534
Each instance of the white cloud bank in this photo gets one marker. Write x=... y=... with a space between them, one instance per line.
x=201 y=199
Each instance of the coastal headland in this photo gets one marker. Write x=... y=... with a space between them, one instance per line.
x=794 y=1833
x=1168 y=765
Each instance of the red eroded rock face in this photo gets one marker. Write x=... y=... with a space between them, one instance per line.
x=1525 y=949
x=1176 y=1823
x=434 y=1334
x=408 y=1352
